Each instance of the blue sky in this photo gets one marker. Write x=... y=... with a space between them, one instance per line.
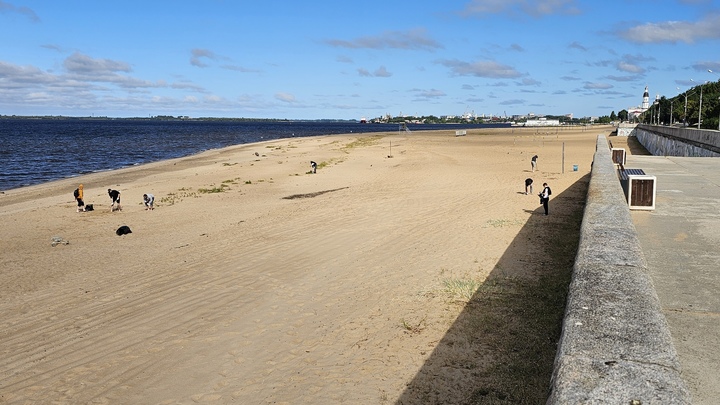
x=347 y=60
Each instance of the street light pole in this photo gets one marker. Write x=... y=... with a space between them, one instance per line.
x=700 y=108
x=685 y=113
x=671 y=103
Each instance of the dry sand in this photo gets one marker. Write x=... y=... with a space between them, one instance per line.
x=288 y=287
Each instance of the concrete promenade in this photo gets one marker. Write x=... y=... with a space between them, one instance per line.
x=680 y=241
x=616 y=346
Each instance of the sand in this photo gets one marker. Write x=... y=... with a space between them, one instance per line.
x=287 y=286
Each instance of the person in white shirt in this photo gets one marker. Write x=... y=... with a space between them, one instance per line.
x=149 y=200
x=545 y=197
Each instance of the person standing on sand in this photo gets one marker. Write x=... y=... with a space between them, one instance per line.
x=533 y=162
x=528 y=185
x=545 y=197
x=79 y=198
x=149 y=200
x=313 y=165
x=115 y=197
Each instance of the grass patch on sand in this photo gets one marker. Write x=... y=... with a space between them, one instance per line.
x=413 y=327
x=223 y=188
x=173 y=198
x=364 y=141
x=461 y=288
x=500 y=223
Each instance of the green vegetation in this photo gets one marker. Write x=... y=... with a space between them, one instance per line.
x=413 y=327
x=461 y=288
x=173 y=198
x=365 y=141
x=221 y=189
x=499 y=223
x=676 y=107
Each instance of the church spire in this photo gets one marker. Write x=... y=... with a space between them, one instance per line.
x=646 y=99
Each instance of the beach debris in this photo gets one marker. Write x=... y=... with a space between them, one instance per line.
x=58 y=240
x=123 y=230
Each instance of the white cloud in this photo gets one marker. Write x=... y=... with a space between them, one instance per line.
x=597 y=86
x=285 y=97
x=535 y=8
x=629 y=67
x=425 y=94
x=488 y=69
x=528 y=82
x=416 y=39
x=577 y=45
x=27 y=12
x=198 y=54
x=382 y=72
x=78 y=63
x=674 y=31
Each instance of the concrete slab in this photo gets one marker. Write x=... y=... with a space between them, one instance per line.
x=681 y=243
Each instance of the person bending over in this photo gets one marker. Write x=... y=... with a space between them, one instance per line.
x=115 y=197
x=149 y=201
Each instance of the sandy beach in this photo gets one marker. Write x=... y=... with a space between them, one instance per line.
x=255 y=281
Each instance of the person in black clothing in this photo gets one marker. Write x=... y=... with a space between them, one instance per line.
x=528 y=185
x=313 y=165
x=545 y=197
x=78 y=194
x=115 y=197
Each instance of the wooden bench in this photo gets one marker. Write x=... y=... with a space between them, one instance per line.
x=623 y=173
x=618 y=155
x=639 y=188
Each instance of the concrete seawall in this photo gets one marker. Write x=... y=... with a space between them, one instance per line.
x=615 y=346
x=674 y=141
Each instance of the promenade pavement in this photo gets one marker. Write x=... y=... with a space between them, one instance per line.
x=680 y=241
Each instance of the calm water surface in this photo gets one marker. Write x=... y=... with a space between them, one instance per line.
x=37 y=151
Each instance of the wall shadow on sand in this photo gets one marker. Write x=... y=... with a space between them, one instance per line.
x=501 y=348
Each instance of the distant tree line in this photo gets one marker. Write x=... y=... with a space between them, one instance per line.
x=685 y=108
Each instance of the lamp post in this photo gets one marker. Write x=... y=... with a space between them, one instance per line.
x=671 y=103
x=652 y=113
x=700 y=106
x=685 y=113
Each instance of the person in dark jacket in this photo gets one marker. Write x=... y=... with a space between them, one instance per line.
x=528 y=185
x=79 y=198
x=115 y=197
x=545 y=197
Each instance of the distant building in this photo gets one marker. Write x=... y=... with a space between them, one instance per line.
x=542 y=122
x=635 y=112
